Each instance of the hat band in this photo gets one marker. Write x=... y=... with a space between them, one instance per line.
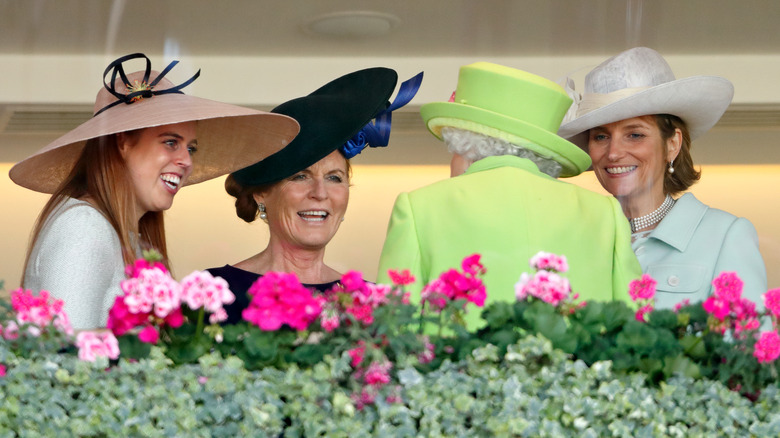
x=142 y=89
x=593 y=101
x=377 y=133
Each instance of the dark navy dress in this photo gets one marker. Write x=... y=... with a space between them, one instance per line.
x=239 y=282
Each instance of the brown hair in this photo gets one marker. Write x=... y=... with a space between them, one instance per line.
x=684 y=174
x=246 y=206
x=101 y=174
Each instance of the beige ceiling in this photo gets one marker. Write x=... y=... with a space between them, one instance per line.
x=424 y=28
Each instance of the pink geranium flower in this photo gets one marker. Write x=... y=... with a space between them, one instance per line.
x=545 y=285
x=39 y=312
x=545 y=261
x=378 y=374
x=2 y=370
x=642 y=289
x=767 y=348
x=201 y=289
x=92 y=345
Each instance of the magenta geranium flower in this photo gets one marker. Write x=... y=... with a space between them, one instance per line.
x=642 y=289
x=728 y=286
x=279 y=298
x=767 y=348
x=402 y=278
x=772 y=302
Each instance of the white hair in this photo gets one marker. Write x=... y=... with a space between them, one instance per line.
x=474 y=146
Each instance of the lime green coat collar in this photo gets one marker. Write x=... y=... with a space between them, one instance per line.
x=505 y=161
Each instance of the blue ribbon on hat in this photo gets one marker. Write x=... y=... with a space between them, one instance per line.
x=377 y=132
x=146 y=89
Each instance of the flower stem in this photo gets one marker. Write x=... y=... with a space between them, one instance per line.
x=201 y=316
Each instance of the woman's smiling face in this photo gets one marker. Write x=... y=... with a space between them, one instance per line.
x=306 y=209
x=629 y=157
x=159 y=160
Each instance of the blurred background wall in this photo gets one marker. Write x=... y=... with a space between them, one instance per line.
x=261 y=53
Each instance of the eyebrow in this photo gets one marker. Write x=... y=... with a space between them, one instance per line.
x=176 y=136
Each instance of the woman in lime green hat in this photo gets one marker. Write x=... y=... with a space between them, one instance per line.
x=503 y=200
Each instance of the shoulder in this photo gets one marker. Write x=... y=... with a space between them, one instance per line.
x=79 y=216
x=78 y=222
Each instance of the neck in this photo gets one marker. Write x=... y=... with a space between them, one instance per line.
x=307 y=264
x=636 y=206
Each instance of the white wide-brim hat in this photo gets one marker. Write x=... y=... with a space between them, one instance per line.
x=230 y=137
x=639 y=82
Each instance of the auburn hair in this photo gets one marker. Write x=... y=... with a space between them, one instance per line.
x=100 y=174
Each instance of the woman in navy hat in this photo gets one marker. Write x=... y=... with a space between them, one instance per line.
x=302 y=191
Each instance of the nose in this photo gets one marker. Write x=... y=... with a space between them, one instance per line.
x=183 y=159
x=318 y=190
x=615 y=150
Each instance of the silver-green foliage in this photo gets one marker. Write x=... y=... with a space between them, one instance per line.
x=533 y=390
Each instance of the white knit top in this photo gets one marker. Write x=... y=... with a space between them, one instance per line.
x=78 y=259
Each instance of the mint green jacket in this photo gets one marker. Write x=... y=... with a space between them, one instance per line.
x=505 y=209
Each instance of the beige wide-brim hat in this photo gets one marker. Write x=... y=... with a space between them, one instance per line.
x=639 y=82
x=229 y=137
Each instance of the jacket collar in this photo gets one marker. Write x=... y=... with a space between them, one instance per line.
x=677 y=228
x=494 y=162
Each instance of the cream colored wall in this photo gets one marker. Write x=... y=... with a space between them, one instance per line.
x=203 y=230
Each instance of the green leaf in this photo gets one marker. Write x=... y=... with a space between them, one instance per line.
x=308 y=354
x=681 y=365
x=498 y=315
x=189 y=350
x=130 y=347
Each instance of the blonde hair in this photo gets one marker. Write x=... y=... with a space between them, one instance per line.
x=101 y=174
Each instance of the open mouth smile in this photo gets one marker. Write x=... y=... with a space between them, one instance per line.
x=314 y=215
x=171 y=181
x=619 y=170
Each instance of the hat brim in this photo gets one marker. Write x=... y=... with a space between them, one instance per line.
x=572 y=159
x=329 y=117
x=699 y=101
x=229 y=137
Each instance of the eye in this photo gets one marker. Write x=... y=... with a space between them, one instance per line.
x=335 y=178
x=298 y=177
x=636 y=136
x=192 y=149
x=598 y=137
x=172 y=143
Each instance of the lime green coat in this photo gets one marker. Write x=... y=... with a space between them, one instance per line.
x=505 y=209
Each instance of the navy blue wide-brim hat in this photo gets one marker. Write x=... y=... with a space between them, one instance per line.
x=329 y=117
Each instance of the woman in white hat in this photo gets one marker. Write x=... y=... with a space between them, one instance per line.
x=112 y=177
x=637 y=121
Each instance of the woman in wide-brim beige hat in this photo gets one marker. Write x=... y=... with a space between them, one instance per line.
x=636 y=121
x=113 y=176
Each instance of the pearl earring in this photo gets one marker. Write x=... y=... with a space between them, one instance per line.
x=671 y=166
x=261 y=208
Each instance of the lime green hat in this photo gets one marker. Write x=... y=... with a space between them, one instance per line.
x=516 y=106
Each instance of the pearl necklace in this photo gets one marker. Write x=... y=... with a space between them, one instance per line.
x=642 y=222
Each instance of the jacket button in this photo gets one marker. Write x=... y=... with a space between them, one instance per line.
x=673 y=281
